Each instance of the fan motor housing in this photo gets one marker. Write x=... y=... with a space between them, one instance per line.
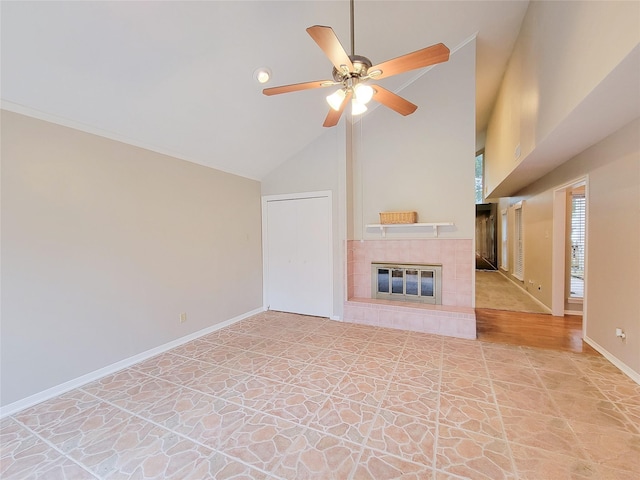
x=361 y=66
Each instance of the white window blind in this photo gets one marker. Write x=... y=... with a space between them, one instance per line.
x=518 y=254
x=578 y=206
x=504 y=242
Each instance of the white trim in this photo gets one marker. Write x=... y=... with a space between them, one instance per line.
x=576 y=313
x=518 y=236
x=624 y=368
x=558 y=251
x=49 y=393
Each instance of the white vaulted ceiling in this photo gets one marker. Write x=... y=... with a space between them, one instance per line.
x=177 y=77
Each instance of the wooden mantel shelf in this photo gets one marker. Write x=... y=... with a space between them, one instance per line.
x=383 y=227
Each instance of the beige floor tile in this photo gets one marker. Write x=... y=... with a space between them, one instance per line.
x=358 y=388
x=421 y=357
x=220 y=467
x=335 y=360
x=592 y=410
x=468 y=386
x=350 y=345
x=296 y=404
x=139 y=449
x=463 y=365
x=618 y=388
x=535 y=464
x=116 y=385
x=612 y=448
x=407 y=436
x=301 y=353
x=89 y=427
x=551 y=360
x=287 y=396
x=23 y=455
x=254 y=392
x=315 y=456
x=343 y=418
x=218 y=380
x=373 y=367
x=65 y=407
x=321 y=379
x=514 y=372
x=374 y=465
x=145 y=395
x=281 y=370
x=174 y=368
x=532 y=429
x=524 y=397
x=416 y=376
x=262 y=441
x=459 y=347
x=248 y=362
x=200 y=417
x=509 y=354
x=570 y=383
x=472 y=455
x=383 y=351
x=469 y=414
x=410 y=400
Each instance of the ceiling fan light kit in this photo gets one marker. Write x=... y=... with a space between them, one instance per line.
x=352 y=72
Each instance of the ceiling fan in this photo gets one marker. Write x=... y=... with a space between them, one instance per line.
x=353 y=72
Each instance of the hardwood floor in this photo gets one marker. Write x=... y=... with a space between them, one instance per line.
x=532 y=329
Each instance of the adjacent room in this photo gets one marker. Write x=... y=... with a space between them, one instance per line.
x=276 y=240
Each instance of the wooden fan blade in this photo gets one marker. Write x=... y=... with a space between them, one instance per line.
x=333 y=117
x=295 y=87
x=437 y=53
x=393 y=101
x=331 y=46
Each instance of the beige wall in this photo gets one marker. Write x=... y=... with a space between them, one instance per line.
x=321 y=166
x=105 y=244
x=425 y=161
x=563 y=52
x=612 y=168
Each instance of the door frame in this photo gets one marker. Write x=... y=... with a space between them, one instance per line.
x=265 y=260
x=559 y=256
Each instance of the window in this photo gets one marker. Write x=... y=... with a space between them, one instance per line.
x=479 y=176
x=504 y=242
x=578 y=206
x=518 y=254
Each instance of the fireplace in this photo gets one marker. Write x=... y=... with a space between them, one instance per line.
x=407 y=282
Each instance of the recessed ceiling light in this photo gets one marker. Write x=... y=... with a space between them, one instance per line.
x=262 y=75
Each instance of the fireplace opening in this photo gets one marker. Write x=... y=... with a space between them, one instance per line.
x=407 y=282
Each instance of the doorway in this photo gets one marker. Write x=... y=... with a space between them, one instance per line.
x=570 y=259
x=297 y=240
x=486 y=244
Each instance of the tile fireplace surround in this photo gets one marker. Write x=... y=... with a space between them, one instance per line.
x=454 y=318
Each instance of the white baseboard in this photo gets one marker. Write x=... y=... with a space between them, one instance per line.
x=547 y=309
x=573 y=312
x=633 y=375
x=44 y=395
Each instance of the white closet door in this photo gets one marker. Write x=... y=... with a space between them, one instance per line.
x=298 y=249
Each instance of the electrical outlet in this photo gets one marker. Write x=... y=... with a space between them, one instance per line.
x=183 y=317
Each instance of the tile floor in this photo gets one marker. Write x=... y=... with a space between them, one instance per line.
x=294 y=397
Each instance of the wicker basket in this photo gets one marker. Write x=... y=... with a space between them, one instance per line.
x=387 y=218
